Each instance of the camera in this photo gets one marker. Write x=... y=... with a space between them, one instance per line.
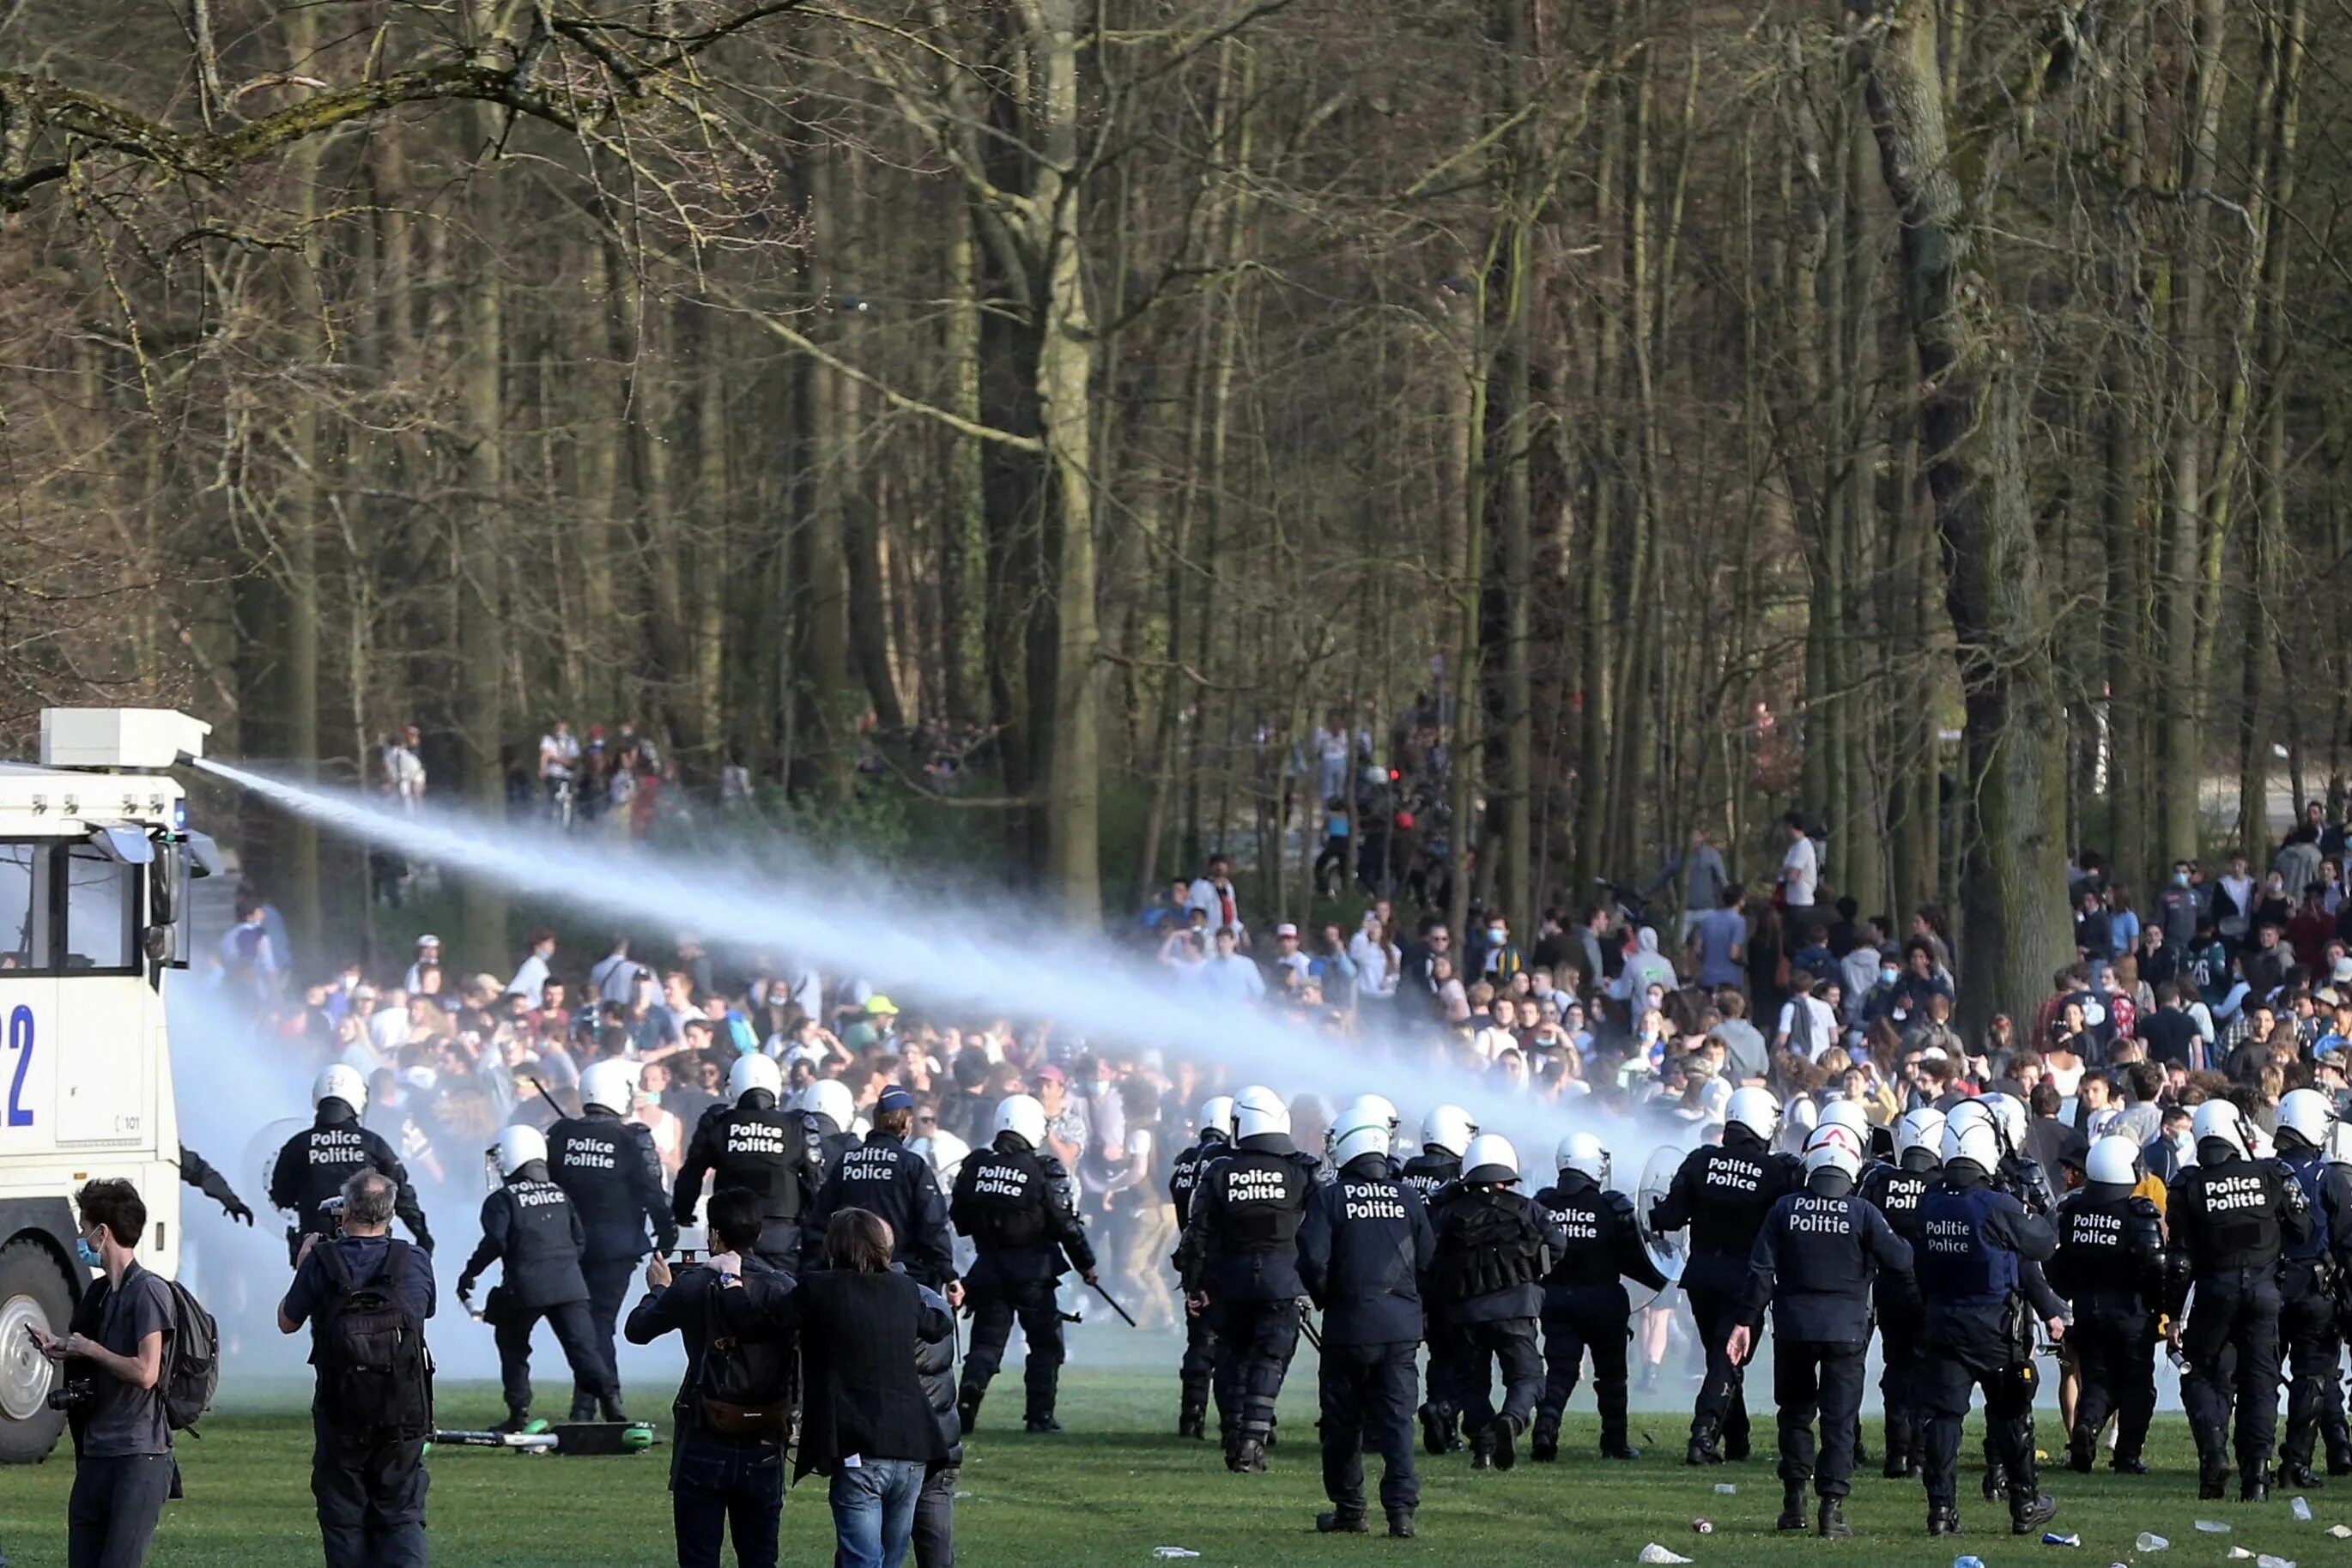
x=74 y=1394
x=332 y=1208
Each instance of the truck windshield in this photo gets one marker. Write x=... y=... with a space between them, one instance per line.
x=25 y=906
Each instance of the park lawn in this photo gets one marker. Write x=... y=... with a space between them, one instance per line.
x=1119 y=1484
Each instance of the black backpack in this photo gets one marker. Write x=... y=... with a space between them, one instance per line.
x=745 y=1389
x=191 y=1373
x=1487 y=1246
x=375 y=1373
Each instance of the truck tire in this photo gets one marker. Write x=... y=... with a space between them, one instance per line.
x=32 y=1291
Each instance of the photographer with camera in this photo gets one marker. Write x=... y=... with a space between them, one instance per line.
x=734 y=1406
x=112 y=1390
x=366 y=1297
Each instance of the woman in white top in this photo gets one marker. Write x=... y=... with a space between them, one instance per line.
x=1377 y=963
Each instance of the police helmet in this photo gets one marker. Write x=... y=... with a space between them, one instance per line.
x=341 y=1081
x=1449 y=1128
x=1970 y=1140
x=1361 y=1130
x=1755 y=1110
x=1849 y=1114
x=830 y=1097
x=1582 y=1153
x=2116 y=1159
x=1833 y=1147
x=2219 y=1119
x=612 y=1083
x=1377 y=1106
x=2305 y=1115
x=1920 y=1129
x=1491 y=1158
x=1217 y=1116
x=1258 y=1110
x=753 y=1071
x=2007 y=1121
x=2339 y=1143
x=1023 y=1116
x=517 y=1147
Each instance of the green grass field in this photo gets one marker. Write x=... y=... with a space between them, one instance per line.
x=1118 y=1484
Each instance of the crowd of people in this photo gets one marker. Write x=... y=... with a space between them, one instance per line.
x=1000 y=1156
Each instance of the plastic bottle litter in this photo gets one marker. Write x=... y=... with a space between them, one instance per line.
x=2052 y=1538
x=2341 y=1531
x=2267 y=1561
x=2302 y=1507
x=1173 y=1552
x=1653 y=1553
x=2212 y=1527
x=1968 y=1561
x=1725 y=1488
x=2239 y=1554
x=2149 y=1540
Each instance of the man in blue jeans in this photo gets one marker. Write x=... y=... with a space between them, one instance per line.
x=719 y=1482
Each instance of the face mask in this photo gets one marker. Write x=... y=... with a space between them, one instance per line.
x=1888 y=977
x=88 y=1253
x=1495 y=935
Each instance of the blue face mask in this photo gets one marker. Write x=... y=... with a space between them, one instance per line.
x=88 y=1253
x=1888 y=977
x=2181 y=879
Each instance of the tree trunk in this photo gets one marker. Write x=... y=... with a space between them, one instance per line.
x=480 y=612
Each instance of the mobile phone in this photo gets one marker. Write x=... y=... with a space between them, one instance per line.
x=687 y=1255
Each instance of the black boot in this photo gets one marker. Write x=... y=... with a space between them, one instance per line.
x=1792 y=1507
x=2212 y=1481
x=2080 y=1448
x=2254 y=1488
x=2300 y=1478
x=2134 y=1465
x=1995 y=1483
x=1341 y=1522
x=2025 y=1518
x=1194 y=1423
x=1545 y=1449
x=1505 y=1434
x=1432 y=1431
x=2339 y=1464
x=1481 y=1449
x=1833 y=1525
x=1703 y=1449
x=1619 y=1448
x=1044 y=1423
x=1943 y=1519
x=1735 y=1449
x=1898 y=1468
x=968 y=1410
x=1248 y=1458
x=1401 y=1524
x=583 y=1405
x=611 y=1405
x=518 y=1417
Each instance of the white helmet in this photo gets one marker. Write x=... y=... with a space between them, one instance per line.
x=754 y=1071
x=830 y=1097
x=517 y=1147
x=1361 y=1130
x=1490 y=1158
x=341 y=1081
x=2307 y=1114
x=1835 y=1146
x=612 y=1083
x=1582 y=1153
x=1920 y=1129
x=1023 y=1116
x=1379 y=1105
x=2339 y=1143
x=2219 y=1119
x=1971 y=1139
x=1849 y=1114
x=2113 y=1158
x=1754 y=1109
x=1217 y=1116
x=1449 y=1127
x=1258 y=1110
x=2007 y=1121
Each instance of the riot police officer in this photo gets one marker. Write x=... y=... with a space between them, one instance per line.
x=1816 y=1259
x=608 y=1167
x=1723 y=1194
x=313 y=1165
x=2110 y=1265
x=1014 y=1202
x=1362 y=1244
x=2310 y=1276
x=1976 y=1331
x=533 y=1228
x=883 y=1176
x=1896 y=1189
x=1446 y=1135
x=1193 y=1375
x=1494 y=1247
x=1584 y=1304
x=200 y=1174
x=2020 y=1176
x=1363 y=1108
x=2233 y=1217
x=832 y=1113
x=755 y=1144
x=1240 y=1265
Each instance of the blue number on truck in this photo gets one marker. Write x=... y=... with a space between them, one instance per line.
x=20 y=1040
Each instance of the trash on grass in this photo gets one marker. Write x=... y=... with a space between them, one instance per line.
x=1725 y=1488
x=1653 y=1553
x=1173 y=1552
x=2267 y=1561
x=2149 y=1540
x=2303 y=1510
x=2212 y=1527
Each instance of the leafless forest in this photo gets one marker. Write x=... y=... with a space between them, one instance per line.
x=1736 y=397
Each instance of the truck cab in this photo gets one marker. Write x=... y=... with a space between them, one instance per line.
x=96 y=857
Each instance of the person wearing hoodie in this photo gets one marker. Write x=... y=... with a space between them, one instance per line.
x=1816 y=1259
x=1722 y=1193
x=1644 y=967
x=2110 y=1265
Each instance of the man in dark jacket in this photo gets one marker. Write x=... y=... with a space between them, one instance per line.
x=1816 y=1259
x=1363 y=1243
x=1445 y=1133
x=755 y=1144
x=2110 y=1265
x=533 y=1228
x=935 y=1361
x=2312 y=1274
x=883 y=1176
x=1484 y=1284
x=1194 y=1374
x=1584 y=1296
x=718 y=1480
x=1013 y=1201
x=313 y=1165
x=1896 y=1189
x=608 y=1167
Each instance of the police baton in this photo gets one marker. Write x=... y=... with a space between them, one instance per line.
x=1114 y=1306
x=553 y=1104
x=1307 y=1327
